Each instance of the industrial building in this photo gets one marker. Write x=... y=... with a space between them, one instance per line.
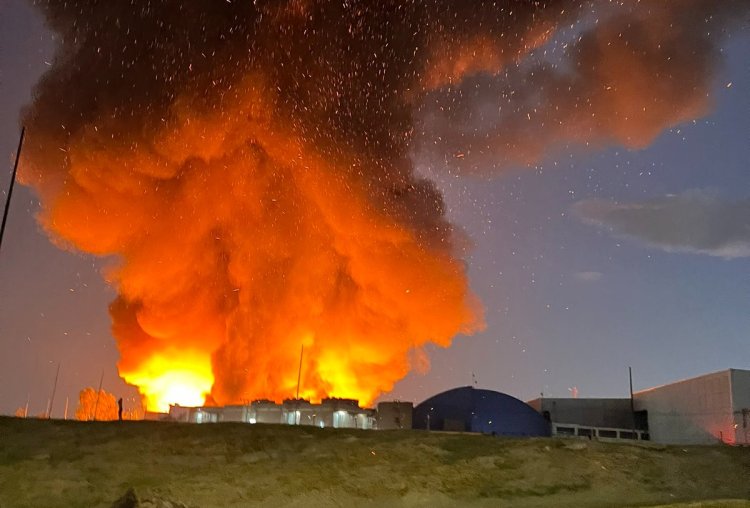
x=332 y=412
x=611 y=419
x=708 y=409
x=470 y=409
x=702 y=410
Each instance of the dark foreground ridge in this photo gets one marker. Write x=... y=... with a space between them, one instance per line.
x=150 y=464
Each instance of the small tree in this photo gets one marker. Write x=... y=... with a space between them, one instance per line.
x=105 y=407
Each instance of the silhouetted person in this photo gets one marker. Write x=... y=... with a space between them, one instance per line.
x=119 y=409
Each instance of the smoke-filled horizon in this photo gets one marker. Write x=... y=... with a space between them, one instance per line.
x=250 y=167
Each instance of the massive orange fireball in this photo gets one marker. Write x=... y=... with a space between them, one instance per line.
x=248 y=168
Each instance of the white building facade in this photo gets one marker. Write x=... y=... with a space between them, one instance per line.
x=708 y=409
x=332 y=412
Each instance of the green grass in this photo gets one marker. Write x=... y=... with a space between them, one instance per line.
x=55 y=463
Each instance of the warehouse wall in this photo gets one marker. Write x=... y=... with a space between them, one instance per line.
x=612 y=413
x=741 y=405
x=694 y=411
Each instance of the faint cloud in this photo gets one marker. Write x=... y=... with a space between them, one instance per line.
x=588 y=276
x=696 y=221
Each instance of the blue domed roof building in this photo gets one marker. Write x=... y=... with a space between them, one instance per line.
x=470 y=409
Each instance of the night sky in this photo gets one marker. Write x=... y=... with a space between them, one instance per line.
x=586 y=263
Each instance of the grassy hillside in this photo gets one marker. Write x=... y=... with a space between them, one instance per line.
x=58 y=463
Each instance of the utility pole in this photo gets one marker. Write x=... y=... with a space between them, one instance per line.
x=54 y=389
x=297 y=413
x=10 y=188
x=632 y=402
x=299 y=372
x=98 y=392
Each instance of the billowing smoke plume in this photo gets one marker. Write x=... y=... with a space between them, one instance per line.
x=248 y=164
x=620 y=75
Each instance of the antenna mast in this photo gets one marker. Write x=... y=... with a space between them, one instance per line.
x=299 y=372
x=98 y=392
x=54 y=389
x=10 y=188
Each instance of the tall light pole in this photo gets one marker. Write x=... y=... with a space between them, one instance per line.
x=10 y=189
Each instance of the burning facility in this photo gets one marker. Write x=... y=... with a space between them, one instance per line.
x=330 y=413
x=708 y=409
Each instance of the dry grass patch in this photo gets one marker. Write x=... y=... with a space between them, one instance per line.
x=55 y=463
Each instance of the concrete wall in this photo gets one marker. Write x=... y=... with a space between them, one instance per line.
x=299 y=412
x=609 y=413
x=265 y=411
x=693 y=411
x=395 y=415
x=600 y=433
x=235 y=414
x=180 y=413
x=740 y=380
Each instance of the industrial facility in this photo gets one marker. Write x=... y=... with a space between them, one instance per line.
x=709 y=409
x=332 y=412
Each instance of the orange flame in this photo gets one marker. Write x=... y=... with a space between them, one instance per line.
x=183 y=379
x=238 y=243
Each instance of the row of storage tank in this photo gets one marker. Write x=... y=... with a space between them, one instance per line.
x=332 y=413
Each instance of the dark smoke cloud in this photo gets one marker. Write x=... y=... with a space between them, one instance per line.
x=344 y=74
x=699 y=222
x=249 y=165
x=622 y=76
